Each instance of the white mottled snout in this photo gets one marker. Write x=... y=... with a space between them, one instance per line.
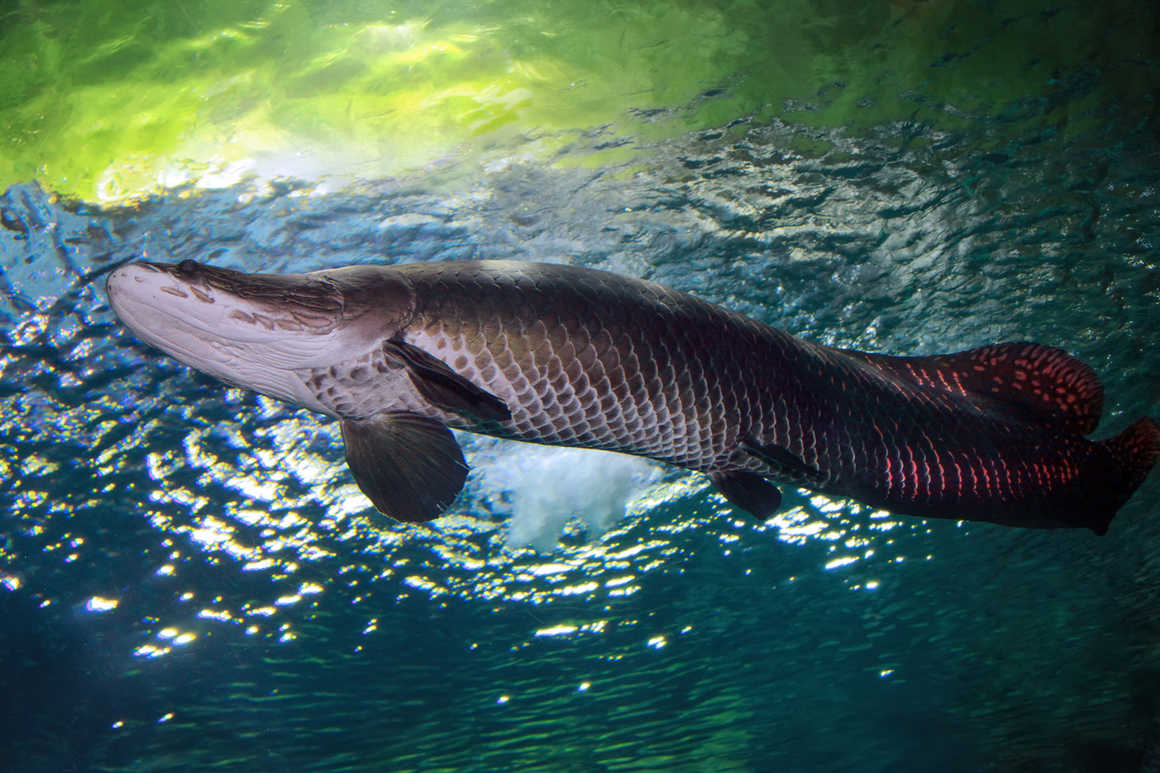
x=248 y=342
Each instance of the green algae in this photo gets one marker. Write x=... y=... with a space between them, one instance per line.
x=112 y=101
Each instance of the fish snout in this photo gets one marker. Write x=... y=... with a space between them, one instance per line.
x=128 y=282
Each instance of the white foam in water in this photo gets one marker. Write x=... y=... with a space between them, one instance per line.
x=544 y=487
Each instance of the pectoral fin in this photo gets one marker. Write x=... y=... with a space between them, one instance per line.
x=409 y=466
x=443 y=387
x=748 y=491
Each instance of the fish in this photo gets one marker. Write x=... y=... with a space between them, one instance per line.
x=571 y=356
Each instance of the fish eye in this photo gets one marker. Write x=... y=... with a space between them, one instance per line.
x=188 y=267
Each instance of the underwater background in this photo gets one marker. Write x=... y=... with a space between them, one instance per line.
x=189 y=579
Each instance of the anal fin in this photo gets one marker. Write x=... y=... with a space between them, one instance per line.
x=748 y=491
x=408 y=465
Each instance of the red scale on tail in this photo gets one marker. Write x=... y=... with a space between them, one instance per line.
x=1033 y=391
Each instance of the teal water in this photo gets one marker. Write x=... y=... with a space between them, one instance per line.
x=188 y=579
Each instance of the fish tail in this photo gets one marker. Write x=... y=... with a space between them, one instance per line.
x=1109 y=480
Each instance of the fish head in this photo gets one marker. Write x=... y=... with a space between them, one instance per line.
x=256 y=330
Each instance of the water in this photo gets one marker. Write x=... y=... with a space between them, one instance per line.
x=188 y=577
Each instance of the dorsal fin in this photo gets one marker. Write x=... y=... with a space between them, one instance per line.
x=1035 y=382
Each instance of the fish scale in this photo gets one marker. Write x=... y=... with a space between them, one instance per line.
x=650 y=405
x=819 y=404
x=570 y=356
x=693 y=409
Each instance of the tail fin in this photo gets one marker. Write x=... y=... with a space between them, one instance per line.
x=1136 y=450
x=1130 y=457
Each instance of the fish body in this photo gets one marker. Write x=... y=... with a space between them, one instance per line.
x=576 y=357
